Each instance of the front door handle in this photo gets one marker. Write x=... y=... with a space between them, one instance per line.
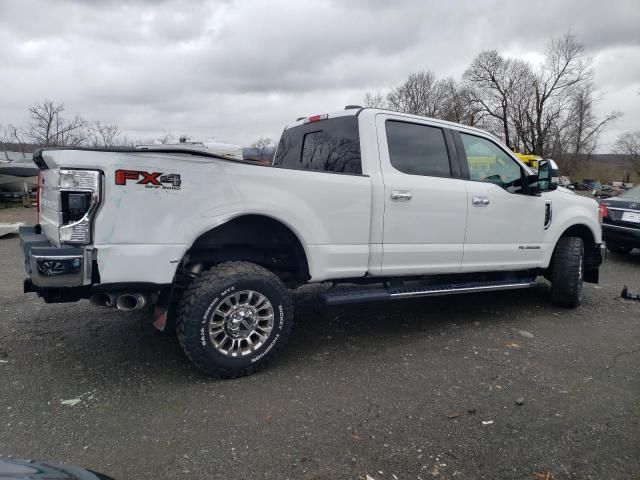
x=401 y=195
x=480 y=201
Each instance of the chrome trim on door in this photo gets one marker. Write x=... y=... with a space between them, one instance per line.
x=401 y=195
x=479 y=201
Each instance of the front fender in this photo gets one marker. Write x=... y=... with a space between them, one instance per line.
x=573 y=211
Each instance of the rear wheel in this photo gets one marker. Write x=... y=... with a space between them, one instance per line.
x=567 y=272
x=618 y=248
x=234 y=319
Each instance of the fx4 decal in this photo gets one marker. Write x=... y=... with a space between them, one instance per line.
x=164 y=181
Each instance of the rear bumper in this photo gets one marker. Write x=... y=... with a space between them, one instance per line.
x=63 y=270
x=619 y=234
x=68 y=274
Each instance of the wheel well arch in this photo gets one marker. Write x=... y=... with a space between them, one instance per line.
x=582 y=231
x=255 y=238
x=592 y=253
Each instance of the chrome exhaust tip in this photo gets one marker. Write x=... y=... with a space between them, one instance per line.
x=131 y=301
x=103 y=300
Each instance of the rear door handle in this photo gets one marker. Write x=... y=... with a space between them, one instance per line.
x=401 y=195
x=480 y=201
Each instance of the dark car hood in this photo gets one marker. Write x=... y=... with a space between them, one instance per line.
x=11 y=469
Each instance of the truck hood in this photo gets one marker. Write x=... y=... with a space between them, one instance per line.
x=566 y=190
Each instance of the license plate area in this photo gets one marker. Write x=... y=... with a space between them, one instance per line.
x=631 y=217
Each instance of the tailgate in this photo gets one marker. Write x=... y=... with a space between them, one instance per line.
x=49 y=204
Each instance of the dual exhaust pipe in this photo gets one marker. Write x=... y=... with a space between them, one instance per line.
x=126 y=302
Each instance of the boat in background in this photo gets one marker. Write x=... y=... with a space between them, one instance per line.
x=18 y=173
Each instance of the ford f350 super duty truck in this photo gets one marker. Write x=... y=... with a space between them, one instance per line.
x=404 y=206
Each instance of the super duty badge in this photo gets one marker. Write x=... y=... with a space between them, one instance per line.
x=165 y=181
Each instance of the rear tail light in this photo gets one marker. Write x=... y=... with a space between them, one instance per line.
x=603 y=212
x=79 y=199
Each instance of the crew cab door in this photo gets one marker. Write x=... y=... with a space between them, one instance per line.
x=425 y=201
x=505 y=225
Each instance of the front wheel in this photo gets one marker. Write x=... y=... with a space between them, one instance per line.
x=567 y=272
x=234 y=318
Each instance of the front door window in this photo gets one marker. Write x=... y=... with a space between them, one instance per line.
x=489 y=163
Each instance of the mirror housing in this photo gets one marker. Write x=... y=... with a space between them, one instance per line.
x=548 y=175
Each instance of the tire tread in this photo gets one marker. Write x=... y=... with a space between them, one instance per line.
x=196 y=293
x=565 y=286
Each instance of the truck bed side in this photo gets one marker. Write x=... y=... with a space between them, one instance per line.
x=142 y=230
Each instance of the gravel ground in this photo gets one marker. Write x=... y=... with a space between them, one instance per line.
x=412 y=390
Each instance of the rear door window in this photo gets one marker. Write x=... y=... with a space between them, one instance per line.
x=417 y=149
x=331 y=145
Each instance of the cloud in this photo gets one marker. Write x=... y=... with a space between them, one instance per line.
x=237 y=70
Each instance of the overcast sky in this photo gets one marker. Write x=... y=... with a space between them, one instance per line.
x=235 y=71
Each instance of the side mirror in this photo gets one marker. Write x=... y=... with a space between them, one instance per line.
x=548 y=176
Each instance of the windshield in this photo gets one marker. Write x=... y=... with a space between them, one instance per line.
x=632 y=193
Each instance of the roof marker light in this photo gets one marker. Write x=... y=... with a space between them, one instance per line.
x=316 y=118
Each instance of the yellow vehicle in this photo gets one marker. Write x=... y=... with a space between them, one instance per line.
x=480 y=164
x=530 y=160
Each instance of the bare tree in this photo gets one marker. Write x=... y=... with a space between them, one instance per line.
x=335 y=154
x=420 y=94
x=167 y=137
x=103 y=134
x=10 y=138
x=459 y=105
x=48 y=127
x=563 y=72
x=493 y=81
x=263 y=145
x=374 y=100
x=519 y=112
x=545 y=110
x=628 y=144
x=423 y=94
x=581 y=124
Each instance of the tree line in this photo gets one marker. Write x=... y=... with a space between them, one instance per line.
x=547 y=109
x=50 y=126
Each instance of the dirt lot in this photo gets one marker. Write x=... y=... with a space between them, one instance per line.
x=419 y=389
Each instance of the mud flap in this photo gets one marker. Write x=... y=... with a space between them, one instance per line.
x=592 y=275
x=161 y=310
x=593 y=259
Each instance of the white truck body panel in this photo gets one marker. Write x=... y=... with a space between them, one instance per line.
x=347 y=224
x=329 y=213
x=496 y=231
x=426 y=233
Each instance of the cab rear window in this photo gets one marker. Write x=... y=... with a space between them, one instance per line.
x=331 y=145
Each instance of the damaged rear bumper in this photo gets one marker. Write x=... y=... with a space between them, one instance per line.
x=58 y=274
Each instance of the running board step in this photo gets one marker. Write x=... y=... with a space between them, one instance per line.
x=362 y=295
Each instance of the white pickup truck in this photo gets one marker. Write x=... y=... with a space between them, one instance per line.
x=402 y=205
